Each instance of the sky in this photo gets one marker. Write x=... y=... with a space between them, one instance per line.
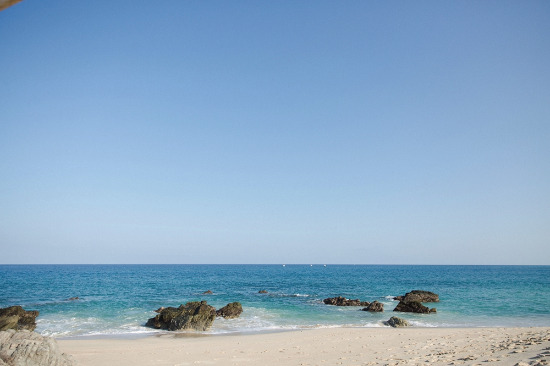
x=353 y=132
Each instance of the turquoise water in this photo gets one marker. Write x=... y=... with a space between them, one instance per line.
x=118 y=299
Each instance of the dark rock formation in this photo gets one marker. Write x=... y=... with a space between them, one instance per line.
x=374 y=306
x=398 y=298
x=420 y=296
x=230 y=311
x=397 y=322
x=73 y=298
x=16 y=318
x=262 y=292
x=193 y=315
x=24 y=348
x=342 y=301
x=413 y=307
x=207 y=292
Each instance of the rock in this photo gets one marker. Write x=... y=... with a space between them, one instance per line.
x=262 y=292
x=397 y=322
x=7 y=3
x=374 y=306
x=193 y=315
x=73 y=298
x=9 y=322
x=160 y=309
x=420 y=296
x=230 y=311
x=411 y=302
x=16 y=318
x=342 y=301
x=207 y=292
x=25 y=348
x=413 y=307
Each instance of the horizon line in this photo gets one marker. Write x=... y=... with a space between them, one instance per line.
x=257 y=264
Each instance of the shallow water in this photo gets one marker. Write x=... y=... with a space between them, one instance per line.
x=118 y=299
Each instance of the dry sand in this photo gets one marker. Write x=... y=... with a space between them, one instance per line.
x=339 y=346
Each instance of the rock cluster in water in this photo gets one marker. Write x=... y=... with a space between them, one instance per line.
x=15 y=317
x=26 y=348
x=412 y=301
x=194 y=315
x=342 y=301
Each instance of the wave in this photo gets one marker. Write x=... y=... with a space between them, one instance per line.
x=275 y=294
x=261 y=320
x=419 y=324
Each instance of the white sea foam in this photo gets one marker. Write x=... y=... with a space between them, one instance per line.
x=422 y=324
x=88 y=326
x=275 y=294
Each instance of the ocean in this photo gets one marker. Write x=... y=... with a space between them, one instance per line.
x=117 y=300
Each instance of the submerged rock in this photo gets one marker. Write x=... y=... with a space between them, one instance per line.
x=413 y=307
x=262 y=292
x=73 y=298
x=193 y=315
x=230 y=311
x=209 y=292
x=397 y=322
x=374 y=306
x=342 y=301
x=25 y=348
x=15 y=317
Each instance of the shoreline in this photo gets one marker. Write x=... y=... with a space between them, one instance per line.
x=175 y=334
x=347 y=346
x=155 y=333
x=205 y=334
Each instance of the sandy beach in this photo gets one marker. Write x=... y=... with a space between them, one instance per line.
x=337 y=346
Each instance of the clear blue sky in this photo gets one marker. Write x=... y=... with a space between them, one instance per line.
x=275 y=132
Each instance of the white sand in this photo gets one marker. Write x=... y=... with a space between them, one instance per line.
x=340 y=346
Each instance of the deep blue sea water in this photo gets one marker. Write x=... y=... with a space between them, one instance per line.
x=118 y=299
